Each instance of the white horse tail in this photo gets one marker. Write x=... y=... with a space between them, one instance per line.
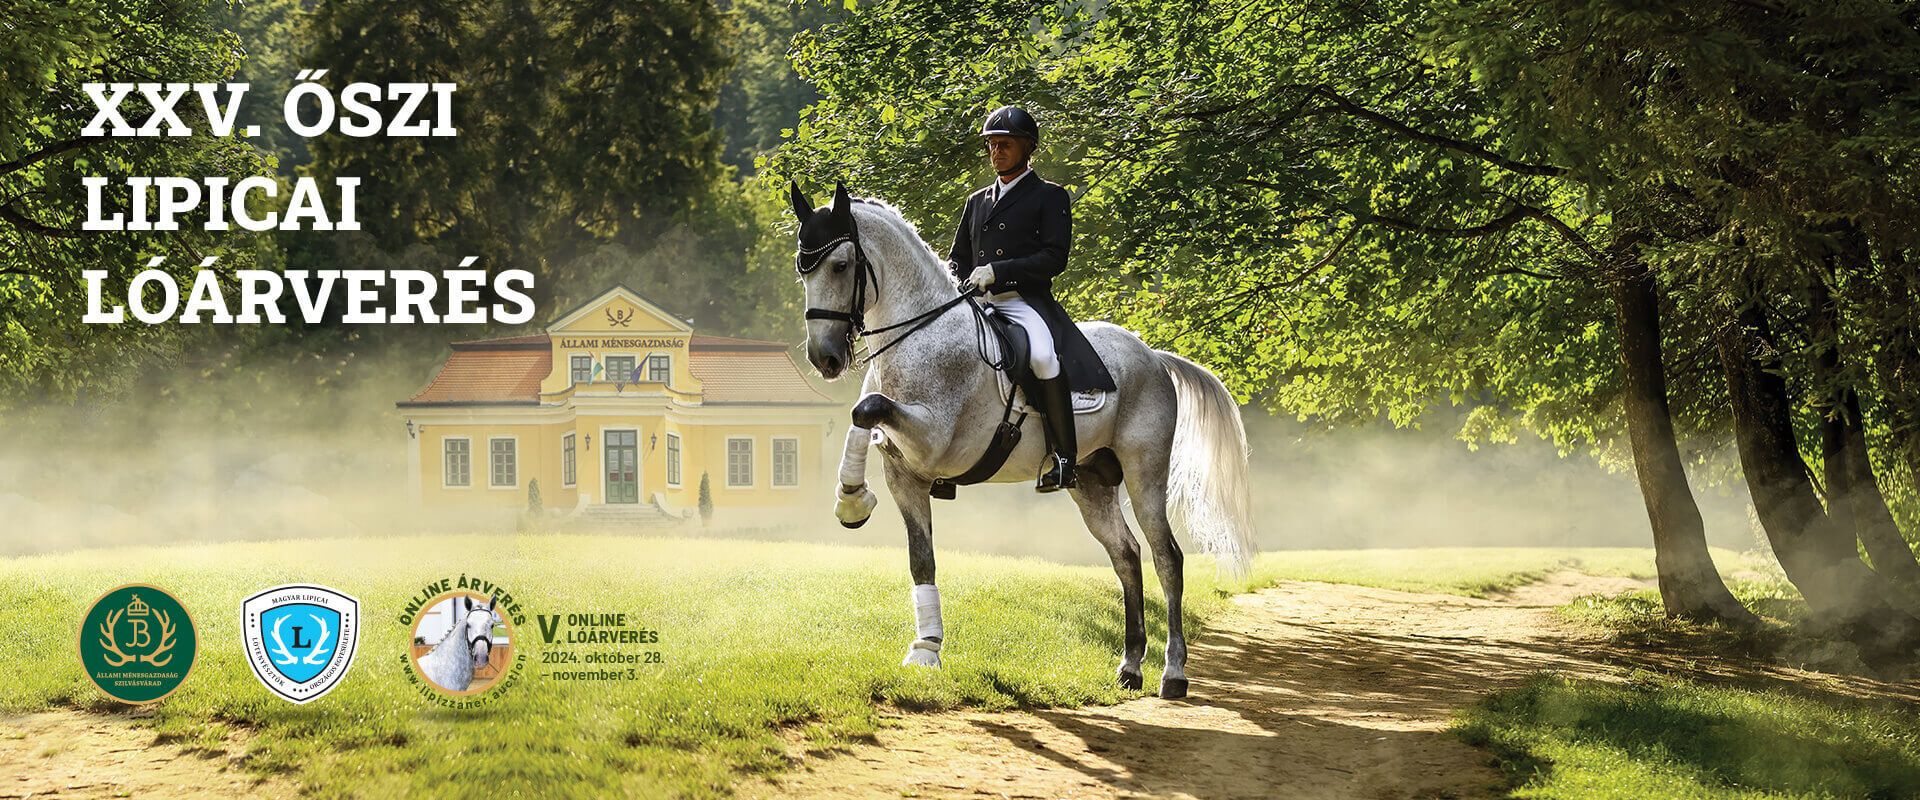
x=1207 y=482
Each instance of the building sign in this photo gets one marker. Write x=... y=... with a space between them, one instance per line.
x=620 y=341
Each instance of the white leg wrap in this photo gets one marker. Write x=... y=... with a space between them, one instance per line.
x=925 y=651
x=926 y=611
x=853 y=463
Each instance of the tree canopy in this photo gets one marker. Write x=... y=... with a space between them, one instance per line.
x=1358 y=208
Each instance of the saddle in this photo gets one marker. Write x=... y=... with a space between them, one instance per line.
x=1014 y=371
x=1015 y=362
x=1013 y=365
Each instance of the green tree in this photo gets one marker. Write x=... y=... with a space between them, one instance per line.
x=1353 y=209
x=582 y=122
x=706 y=500
x=48 y=50
x=764 y=94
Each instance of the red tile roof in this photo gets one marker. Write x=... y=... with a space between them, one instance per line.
x=701 y=341
x=755 y=375
x=491 y=371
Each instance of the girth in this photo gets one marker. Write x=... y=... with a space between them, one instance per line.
x=1006 y=435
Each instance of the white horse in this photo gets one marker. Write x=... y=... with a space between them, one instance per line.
x=1171 y=433
x=466 y=647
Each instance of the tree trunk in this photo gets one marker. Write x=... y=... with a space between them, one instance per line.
x=1690 y=586
x=1854 y=500
x=1851 y=485
x=1819 y=558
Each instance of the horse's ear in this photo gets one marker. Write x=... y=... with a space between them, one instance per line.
x=802 y=207
x=466 y=604
x=842 y=205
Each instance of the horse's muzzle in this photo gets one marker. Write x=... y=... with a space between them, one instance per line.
x=830 y=355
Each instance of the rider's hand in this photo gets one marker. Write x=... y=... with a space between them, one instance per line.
x=982 y=277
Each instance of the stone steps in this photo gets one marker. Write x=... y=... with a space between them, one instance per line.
x=622 y=516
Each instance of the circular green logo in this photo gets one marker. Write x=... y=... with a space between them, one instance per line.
x=137 y=643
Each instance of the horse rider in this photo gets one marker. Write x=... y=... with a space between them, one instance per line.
x=1013 y=239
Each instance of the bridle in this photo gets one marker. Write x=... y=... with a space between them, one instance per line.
x=864 y=273
x=476 y=641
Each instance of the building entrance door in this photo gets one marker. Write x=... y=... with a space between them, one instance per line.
x=623 y=467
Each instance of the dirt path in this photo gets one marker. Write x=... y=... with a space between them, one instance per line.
x=1305 y=690
x=69 y=754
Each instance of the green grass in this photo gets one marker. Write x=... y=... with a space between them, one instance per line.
x=1786 y=636
x=1671 y=738
x=759 y=639
x=1664 y=735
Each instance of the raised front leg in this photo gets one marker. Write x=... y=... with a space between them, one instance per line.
x=854 y=502
x=910 y=494
x=917 y=431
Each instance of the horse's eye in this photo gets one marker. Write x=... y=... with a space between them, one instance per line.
x=839 y=266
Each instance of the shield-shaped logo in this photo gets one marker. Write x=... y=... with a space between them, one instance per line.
x=300 y=638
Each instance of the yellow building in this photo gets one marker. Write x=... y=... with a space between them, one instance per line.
x=617 y=410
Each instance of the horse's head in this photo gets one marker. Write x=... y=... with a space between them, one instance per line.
x=476 y=628
x=830 y=263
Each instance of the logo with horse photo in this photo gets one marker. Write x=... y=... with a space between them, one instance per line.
x=462 y=651
x=137 y=643
x=300 y=639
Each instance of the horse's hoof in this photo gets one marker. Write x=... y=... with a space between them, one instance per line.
x=853 y=510
x=1130 y=681
x=1173 y=688
x=923 y=653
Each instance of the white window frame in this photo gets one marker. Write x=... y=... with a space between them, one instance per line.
x=443 y=462
x=664 y=358
x=729 y=463
x=773 y=463
x=675 y=451
x=516 y=462
x=569 y=461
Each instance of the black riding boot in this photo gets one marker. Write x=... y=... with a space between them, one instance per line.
x=1056 y=415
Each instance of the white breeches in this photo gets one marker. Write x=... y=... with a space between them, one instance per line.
x=1040 y=356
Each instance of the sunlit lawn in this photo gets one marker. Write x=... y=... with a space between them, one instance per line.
x=757 y=639
x=1668 y=737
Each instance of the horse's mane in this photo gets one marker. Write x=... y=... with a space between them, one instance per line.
x=889 y=213
x=909 y=236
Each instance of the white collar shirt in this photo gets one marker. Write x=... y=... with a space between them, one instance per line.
x=1001 y=187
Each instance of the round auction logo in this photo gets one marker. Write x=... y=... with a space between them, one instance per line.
x=462 y=644
x=137 y=643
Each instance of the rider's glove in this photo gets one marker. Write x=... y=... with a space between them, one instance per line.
x=982 y=277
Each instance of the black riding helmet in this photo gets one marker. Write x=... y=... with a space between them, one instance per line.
x=1011 y=121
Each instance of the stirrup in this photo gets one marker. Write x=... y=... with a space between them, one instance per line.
x=1059 y=476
